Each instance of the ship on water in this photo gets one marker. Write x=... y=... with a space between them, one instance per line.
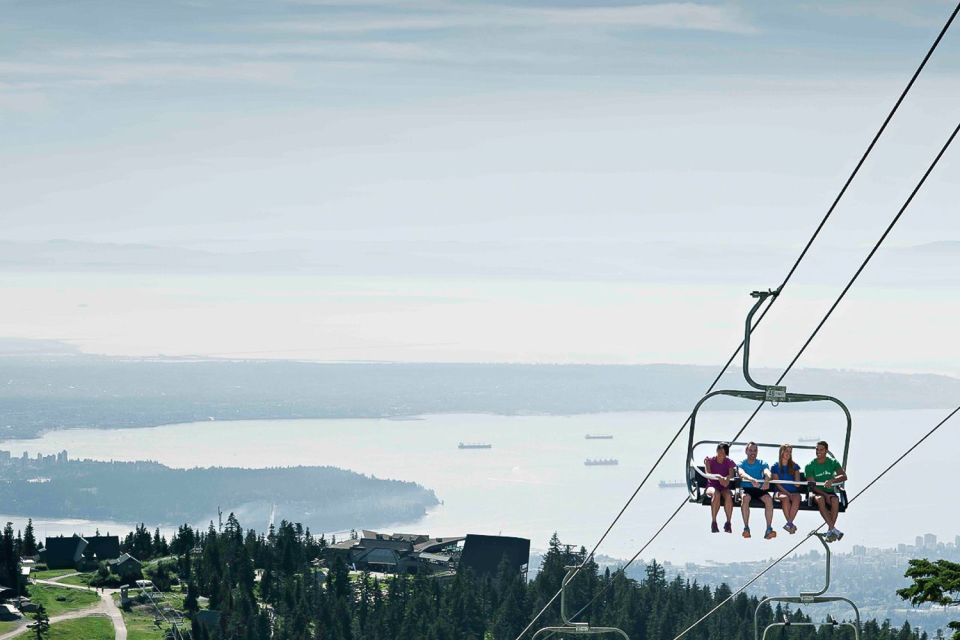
x=474 y=445
x=672 y=484
x=598 y=436
x=601 y=462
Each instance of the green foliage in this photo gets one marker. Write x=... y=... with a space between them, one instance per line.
x=89 y=628
x=10 y=559
x=57 y=600
x=294 y=600
x=41 y=623
x=936 y=582
x=29 y=540
x=163 y=574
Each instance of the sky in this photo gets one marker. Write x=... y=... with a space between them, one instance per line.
x=552 y=147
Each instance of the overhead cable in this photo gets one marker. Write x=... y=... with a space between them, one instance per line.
x=812 y=533
x=783 y=284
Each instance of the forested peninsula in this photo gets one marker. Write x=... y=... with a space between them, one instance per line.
x=331 y=499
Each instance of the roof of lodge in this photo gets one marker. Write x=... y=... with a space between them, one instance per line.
x=61 y=550
x=434 y=544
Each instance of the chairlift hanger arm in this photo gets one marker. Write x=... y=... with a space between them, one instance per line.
x=773 y=393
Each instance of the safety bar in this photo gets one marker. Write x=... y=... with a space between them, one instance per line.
x=856 y=631
x=799 y=483
x=808 y=597
x=582 y=628
x=804 y=600
x=761 y=397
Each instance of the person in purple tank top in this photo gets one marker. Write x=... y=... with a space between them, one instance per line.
x=718 y=488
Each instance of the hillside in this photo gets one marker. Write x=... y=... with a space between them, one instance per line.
x=41 y=393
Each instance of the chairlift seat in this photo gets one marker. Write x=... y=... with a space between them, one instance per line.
x=736 y=487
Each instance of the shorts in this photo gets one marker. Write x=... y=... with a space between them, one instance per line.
x=755 y=492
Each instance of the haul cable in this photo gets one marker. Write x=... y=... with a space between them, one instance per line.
x=812 y=533
x=819 y=326
x=796 y=264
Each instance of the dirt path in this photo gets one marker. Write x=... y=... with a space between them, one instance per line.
x=106 y=607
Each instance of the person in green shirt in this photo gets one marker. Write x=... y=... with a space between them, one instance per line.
x=828 y=472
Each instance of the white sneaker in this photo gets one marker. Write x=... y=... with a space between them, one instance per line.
x=837 y=534
x=829 y=536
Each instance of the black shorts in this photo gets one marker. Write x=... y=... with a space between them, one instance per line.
x=755 y=492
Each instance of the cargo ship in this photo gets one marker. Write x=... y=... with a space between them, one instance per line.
x=598 y=436
x=601 y=462
x=474 y=445
x=672 y=484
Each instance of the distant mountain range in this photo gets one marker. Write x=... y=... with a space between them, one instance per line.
x=927 y=264
x=62 y=390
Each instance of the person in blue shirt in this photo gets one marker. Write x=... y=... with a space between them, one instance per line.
x=789 y=494
x=754 y=478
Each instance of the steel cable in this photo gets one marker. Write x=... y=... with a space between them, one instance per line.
x=812 y=533
x=773 y=299
x=819 y=326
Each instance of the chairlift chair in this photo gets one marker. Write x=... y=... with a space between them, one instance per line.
x=575 y=628
x=809 y=597
x=697 y=476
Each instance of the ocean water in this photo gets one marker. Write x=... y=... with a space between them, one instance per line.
x=533 y=482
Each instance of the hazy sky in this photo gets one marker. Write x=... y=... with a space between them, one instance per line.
x=550 y=128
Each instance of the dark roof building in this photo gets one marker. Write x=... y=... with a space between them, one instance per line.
x=63 y=553
x=414 y=553
x=125 y=565
x=483 y=554
x=102 y=548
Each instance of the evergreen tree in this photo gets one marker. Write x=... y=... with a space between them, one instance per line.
x=29 y=541
x=9 y=559
x=41 y=623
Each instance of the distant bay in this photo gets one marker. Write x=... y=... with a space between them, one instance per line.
x=533 y=482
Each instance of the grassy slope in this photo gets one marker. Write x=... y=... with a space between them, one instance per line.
x=7 y=626
x=91 y=628
x=73 y=599
x=82 y=580
x=140 y=619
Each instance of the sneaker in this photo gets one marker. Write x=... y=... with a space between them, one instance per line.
x=788 y=527
x=746 y=532
x=837 y=534
x=727 y=528
x=829 y=536
x=770 y=534
x=714 y=528
x=793 y=528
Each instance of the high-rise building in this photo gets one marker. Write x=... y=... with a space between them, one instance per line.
x=919 y=542
x=930 y=541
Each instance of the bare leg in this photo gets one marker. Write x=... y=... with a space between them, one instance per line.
x=714 y=503
x=768 y=508
x=834 y=511
x=728 y=504
x=745 y=509
x=795 y=508
x=823 y=508
x=786 y=505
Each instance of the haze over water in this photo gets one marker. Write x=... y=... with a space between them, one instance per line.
x=533 y=481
